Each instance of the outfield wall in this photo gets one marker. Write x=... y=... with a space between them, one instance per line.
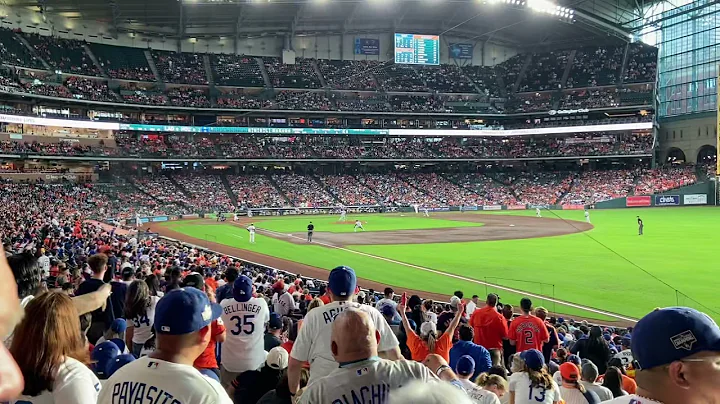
x=691 y=195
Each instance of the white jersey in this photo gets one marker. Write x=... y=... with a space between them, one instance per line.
x=369 y=381
x=625 y=356
x=283 y=304
x=74 y=383
x=526 y=393
x=587 y=214
x=143 y=325
x=149 y=380
x=313 y=341
x=478 y=394
x=243 y=348
x=632 y=399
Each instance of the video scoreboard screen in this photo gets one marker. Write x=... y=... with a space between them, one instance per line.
x=416 y=49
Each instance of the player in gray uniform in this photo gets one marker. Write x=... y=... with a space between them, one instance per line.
x=361 y=373
x=343 y=214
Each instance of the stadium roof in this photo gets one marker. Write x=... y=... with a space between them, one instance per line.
x=505 y=22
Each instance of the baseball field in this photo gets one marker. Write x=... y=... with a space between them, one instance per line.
x=570 y=266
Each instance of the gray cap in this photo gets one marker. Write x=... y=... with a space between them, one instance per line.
x=589 y=372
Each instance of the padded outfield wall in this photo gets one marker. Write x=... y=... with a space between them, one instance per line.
x=691 y=195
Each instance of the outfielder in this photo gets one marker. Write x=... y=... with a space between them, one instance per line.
x=251 y=230
x=358 y=225
x=587 y=216
x=343 y=215
x=426 y=212
x=537 y=212
x=640 y=226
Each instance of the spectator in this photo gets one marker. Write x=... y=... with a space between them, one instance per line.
x=471 y=306
x=589 y=376
x=183 y=319
x=628 y=384
x=282 y=300
x=418 y=392
x=249 y=387
x=594 y=348
x=465 y=346
x=387 y=299
x=552 y=344
x=625 y=354
x=226 y=291
x=245 y=317
x=274 y=331
x=314 y=339
x=527 y=331
x=101 y=320
x=51 y=353
x=206 y=363
x=613 y=382
x=116 y=331
x=465 y=369
x=140 y=310
x=428 y=342
x=533 y=384
x=446 y=318
x=494 y=383
x=489 y=326
x=571 y=390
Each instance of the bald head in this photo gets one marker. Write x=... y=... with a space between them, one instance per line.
x=354 y=336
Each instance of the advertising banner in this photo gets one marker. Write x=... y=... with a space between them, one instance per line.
x=516 y=207
x=695 y=199
x=467 y=208
x=461 y=50
x=573 y=207
x=191 y=216
x=367 y=46
x=160 y=219
x=439 y=209
x=634 y=201
x=667 y=200
x=492 y=207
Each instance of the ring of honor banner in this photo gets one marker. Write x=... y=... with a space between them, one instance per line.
x=367 y=46
x=461 y=50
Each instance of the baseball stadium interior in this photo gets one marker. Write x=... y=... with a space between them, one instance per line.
x=494 y=182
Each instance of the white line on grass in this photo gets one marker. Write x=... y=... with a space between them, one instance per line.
x=450 y=275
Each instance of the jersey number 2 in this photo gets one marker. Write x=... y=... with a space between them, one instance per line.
x=247 y=320
x=540 y=397
x=528 y=337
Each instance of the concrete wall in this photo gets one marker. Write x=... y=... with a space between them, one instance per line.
x=688 y=135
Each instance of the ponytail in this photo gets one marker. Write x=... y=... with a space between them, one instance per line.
x=540 y=378
x=485 y=380
x=431 y=339
x=579 y=386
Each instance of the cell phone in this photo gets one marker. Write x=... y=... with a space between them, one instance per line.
x=403 y=299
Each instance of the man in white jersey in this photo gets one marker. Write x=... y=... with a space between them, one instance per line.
x=426 y=212
x=537 y=212
x=587 y=216
x=625 y=355
x=235 y=217
x=138 y=221
x=249 y=213
x=313 y=343
x=358 y=225
x=251 y=230
x=677 y=350
x=464 y=369
x=182 y=325
x=343 y=214
x=244 y=317
x=361 y=376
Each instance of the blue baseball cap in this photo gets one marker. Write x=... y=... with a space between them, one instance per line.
x=120 y=343
x=574 y=359
x=184 y=311
x=342 y=281
x=275 y=322
x=533 y=358
x=118 y=362
x=119 y=325
x=242 y=288
x=465 y=365
x=672 y=334
x=102 y=355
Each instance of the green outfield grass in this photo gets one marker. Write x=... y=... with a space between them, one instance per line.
x=598 y=268
x=371 y=222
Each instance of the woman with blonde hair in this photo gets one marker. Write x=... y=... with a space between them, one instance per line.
x=492 y=383
x=533 y=385
x=51 y=353
x=428 y=342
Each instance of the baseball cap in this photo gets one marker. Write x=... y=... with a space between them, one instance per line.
x=184 y=311
x=118 y=362
x=671 y=334
x=275 y=322
x=277 y=358
x=119 y=342
x=569 y=371
x=533 y=358
x=119 y=325
x=194 y=280
x=428 y=327
x=128 y=271
x=342 y=281
x=242 y=288
x=465 y=365
x=574 y=359
x=102 y=355
x=387 y=310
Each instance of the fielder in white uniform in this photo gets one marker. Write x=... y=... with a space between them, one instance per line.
x=235 y=217
x=249 y=213
x=251 y=230
x=343 y=215
x=244 y=317
x=416 y=207
x=537 y=212
x=358 y=225
x=361 y=376
x=426 y=212
x=314 y=340
x=587 y=216
x=138 y=221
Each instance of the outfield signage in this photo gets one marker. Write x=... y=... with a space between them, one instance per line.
x=667 y=200
x=516 y=207
x=492 y=207
x=573 y=207
x=634 y=201
x=440 y=209
x=464 y=208
x=695 y=199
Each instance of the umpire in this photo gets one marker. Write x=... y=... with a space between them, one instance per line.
x=311 y=227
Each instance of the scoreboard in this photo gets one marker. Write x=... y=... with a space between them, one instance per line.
x=416 y=49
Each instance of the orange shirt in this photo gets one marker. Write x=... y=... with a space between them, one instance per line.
x=212 y=283
x=208 y=359
x=419 y=349
x=629 y=384
x=489 y=326
x=528 y=332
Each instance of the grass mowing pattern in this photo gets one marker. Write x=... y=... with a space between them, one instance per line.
x=295 y=224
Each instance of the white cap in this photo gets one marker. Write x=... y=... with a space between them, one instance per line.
x=277 y=358
x=454 y=301
x=428 y=327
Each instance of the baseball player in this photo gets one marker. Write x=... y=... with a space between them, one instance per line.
x=416 y=207
x=251 y=230
x=138 y=221
x=249 y=213
x=343 y=215
x=640 y=226
x=426 y=212
x=587 y=216
x=310 y=229
x=537 y=212
x=235 y=217
x=244 y=317
x=358 y=225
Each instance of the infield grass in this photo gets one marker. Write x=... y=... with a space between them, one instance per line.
x=610 y=267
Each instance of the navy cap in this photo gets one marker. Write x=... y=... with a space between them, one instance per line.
x=194 y=280
x=533 y=358
x=119 y=325
x=102 y=355
x=120 y=343
x=275 y=322
x=387 y=309
x=672 y=334
x=342 y=281
x=242 y=288
x=465 y=365
x=184 y=311
x=118 y=362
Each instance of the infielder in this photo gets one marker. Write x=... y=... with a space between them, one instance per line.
x=358 y=225
x=416 y=207
x=235 y=217
x=251 y=230
x=426 y=212
x=138 y=221
x=249 y=214
x=537 y=212
x=587 y=216
x=343 y=215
